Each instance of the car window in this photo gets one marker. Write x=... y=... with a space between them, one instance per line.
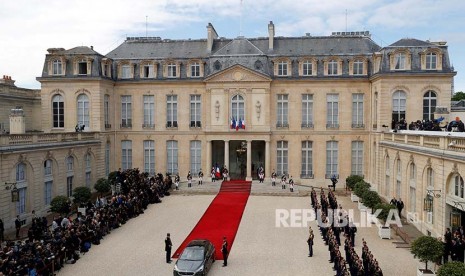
x=192 y=254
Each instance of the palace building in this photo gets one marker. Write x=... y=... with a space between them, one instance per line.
x=312 y=107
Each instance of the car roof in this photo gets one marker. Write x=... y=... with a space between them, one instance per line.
x=198 y=243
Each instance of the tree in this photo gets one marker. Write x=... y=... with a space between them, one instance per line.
x=60 y=204
x=352 y=180
x=361 y=188
x=370 y=199
x=427 y=248
x=102 y=186
x=385 y=208
x=452 y=269
x=458 y=96
x=81 y=195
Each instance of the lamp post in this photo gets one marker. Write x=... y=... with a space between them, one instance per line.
x=14 y=191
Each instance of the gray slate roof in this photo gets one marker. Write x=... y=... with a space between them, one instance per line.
x=238 y=46
x=410 y=42
x=81 y=50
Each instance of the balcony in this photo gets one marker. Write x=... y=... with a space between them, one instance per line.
x=126 y=125
x=282 y=125
x=195 y=124
x=434 y=140
x=172 y=124
x=307 y=176
x=359 y=126
x=46 y=138
x=148 y=125
x=332 y=126
x=306 y=125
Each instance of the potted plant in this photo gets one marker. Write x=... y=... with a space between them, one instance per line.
x=384 y=231
x=427 y=249
x=452 y=269
x=102 y=186
x=370 y=199
x=60 y=204
x=360 y=189
x=350 y=184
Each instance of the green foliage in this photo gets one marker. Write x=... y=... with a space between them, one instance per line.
x=452 y=269
x=352 y=180
x=458 y=96
x=385 y=210
x=361 y=188
x=112 y=177
x=60 y=204
x=427 y=248
x=370 y=199
x=102 y=186
x=81 y=195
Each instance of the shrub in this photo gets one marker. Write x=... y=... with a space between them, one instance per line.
x=352 y=180
x=370 y=199
x=361 y=188
x=427 y=248
x=81 y=195
x=385 y=210
x=60 y=204
x=112 y=177
x=102 y=186
x=452 y=269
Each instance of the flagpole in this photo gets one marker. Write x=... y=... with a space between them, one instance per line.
x=240 y=26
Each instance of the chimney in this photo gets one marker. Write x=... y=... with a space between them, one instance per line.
x=270 y=35
x=211 y=33
x=17 y=122
x=7 y=80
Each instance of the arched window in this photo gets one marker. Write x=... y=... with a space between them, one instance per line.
x=429 y=105
x=387 y=180
x=413 y=185
x=48 y=167
x=48 y=182
x=399 y=100
x=88 y=165
x=21 y=172
x=69 y=175
x=459 y=186
x=83 y=110
x=22 y=186
x=70 y=163
x=399 y=178
x=429 y=178
x=237 y=108
x=58 y=111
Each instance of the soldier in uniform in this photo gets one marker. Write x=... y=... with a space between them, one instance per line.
x=310 y=243
x=225 y=251
x=291 y=184
x=189 y=179
x=212 y=173
x=273 y=178
x=200 y=177
x=283 y=181
x=176 y=181
x=168 y=246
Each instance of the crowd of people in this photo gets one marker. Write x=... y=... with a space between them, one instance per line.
x=47 y=248
x=454 y=245
x=331 y=230
x=438 y=124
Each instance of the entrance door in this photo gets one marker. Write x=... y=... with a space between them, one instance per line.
x=238 y=159
x=258 y=158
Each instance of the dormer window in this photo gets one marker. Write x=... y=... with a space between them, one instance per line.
x=282 y=68
x=172 y=70
x=307 y=67
x=399 y=60
x=195 y=70
x=57 y=67
x=332 y=67
x=431 y=61
x=82 y=67
x=106 y=67
x=125 y=71
x=148 y=71
x=358 y=67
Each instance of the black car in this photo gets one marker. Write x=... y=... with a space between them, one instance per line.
x=196 y=259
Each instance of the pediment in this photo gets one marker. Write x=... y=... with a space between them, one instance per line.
x=238 y=73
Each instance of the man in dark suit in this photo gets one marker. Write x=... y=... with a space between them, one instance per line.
x=400 y=206
x=17 y=226
x=168 y=246
x=224 y=250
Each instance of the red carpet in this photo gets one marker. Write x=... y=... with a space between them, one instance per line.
x=222 y=217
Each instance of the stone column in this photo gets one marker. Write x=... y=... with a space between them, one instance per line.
x=267 y=161
x=249 y=161
x=209 y=157
x=226 y=154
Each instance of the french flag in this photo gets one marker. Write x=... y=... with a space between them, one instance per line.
x=233 y=123
x=239 y=125
x=243 y=124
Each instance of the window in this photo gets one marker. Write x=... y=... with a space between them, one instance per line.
x=459 y=186
x=307 y=160
x=358 y=67
x=357 y=158
x=282 y=158
x=88 y=179
x=307 y=68
x=125 y=71
x=48 y=167
x=82 y=67
x=106 y=70
x=126 y=111
x=83 y=111
x=70 y=164
x=413 y=192
x=148 y=71
x=399 y=61
x=387 y=183
x=307 y=110
x=149 y=157
x=21 y=172
x=357 y=111
x=196 y=155
x=126 y=154
x=195 y=111
x=282 y=68
x=149 y=111
x=107 y=159
x=57 y=67
x=431 y=61
x=88 y=160
x=172 y=156
x=331 y=158
x=429 y=105
x=21 y=204
x=429 y=178
x=48 y=192
x=399 y=179
x=106 y=111
x=172 y=68
x=398 y=105
x=332 y=67
x=195 y=70
x=172 y=111
x=282 y=116
x=58 y=111
x=332 y=111
x=237 y=107
x=69 y=186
